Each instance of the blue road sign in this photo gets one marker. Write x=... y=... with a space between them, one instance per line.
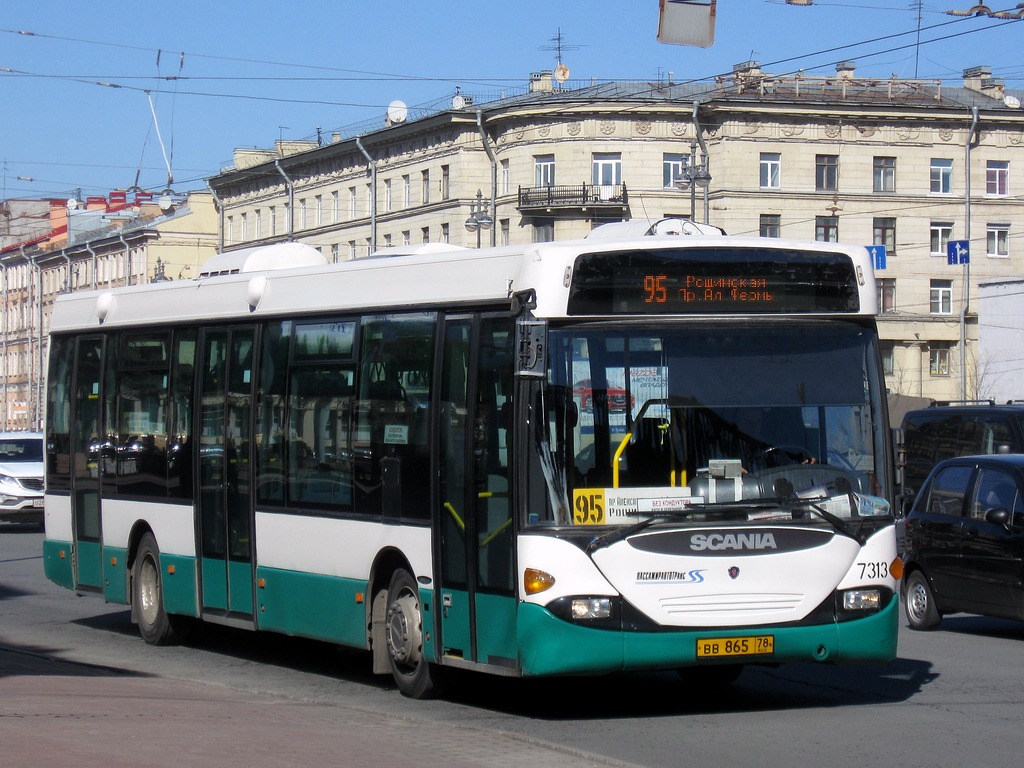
x=958 y=252
x=877 y=256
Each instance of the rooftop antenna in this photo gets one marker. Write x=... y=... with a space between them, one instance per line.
x=558 y=45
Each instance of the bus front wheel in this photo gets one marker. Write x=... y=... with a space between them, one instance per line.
x=416 y=677
x=155 y=625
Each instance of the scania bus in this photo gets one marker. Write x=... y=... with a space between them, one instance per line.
x=567 y=458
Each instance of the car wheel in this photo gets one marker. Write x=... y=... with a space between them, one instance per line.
x=920 y=603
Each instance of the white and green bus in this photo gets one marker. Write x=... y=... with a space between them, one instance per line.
x=569 y=458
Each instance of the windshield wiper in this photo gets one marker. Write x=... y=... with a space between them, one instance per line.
x=620 y=534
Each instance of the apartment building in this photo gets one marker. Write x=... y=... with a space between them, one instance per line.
x=103 y=241
x=908 y=164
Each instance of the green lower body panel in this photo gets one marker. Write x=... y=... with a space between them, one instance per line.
x=311 y=605
x=89 y=564
x=115 y=575
x=550 y=646
x=57 y=563
x=179 y=584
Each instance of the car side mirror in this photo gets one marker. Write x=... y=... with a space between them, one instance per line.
x=998 y=516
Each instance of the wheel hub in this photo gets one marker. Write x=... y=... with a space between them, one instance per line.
x=403 y=630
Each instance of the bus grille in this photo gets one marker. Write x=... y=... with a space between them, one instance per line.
x=753 y=602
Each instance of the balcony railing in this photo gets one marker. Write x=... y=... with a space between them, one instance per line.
x=573 y=196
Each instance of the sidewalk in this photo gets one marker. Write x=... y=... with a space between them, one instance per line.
x=53 y=712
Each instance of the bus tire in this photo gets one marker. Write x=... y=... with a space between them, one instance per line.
x=155 y=625
x=415 y=677
x=922 y=613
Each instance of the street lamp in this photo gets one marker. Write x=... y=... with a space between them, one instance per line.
x=479 y=216
x=695 y=176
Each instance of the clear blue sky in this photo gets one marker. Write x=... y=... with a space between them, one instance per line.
x=249 y=71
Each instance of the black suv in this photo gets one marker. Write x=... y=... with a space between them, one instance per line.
x=944 y=431
x=965 y=541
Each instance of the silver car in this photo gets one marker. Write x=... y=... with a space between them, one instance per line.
x=21 y=477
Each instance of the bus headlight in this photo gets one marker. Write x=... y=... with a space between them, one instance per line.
x=585 y=608
x=862 y=600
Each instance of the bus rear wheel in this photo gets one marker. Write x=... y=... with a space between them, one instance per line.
x=155 y=625
x=416 y=677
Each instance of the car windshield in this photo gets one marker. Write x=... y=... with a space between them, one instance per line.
x=653 y=418
x=21 y=449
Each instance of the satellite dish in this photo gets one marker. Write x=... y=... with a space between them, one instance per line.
x=561 y=73
x=72 y=204
x=166 y=202
x=458 y=101
x=1012 y=102
x=397 y=112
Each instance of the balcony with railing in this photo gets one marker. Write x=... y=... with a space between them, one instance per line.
x=573 y=197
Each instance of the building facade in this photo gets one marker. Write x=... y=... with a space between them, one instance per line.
x=908 y=164
x=100 y=242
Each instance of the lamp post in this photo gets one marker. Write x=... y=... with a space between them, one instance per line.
x=695 y=176
x=479 y=216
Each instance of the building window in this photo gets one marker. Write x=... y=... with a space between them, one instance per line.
x=259 y=223
x=302 y=213
x=886 y=349
x=998 y=239
x=319 y=210
x=826 y=229
x=938 y=359
x=941 y=297
x=885 y=233
x=387 y=195
x=425 y=235
x=771 y=170
x=406 y=191
x=997 y=178
x=445 y=182
x=942 y=176
x=272 y=215
x=886 y=294
x=335 y=253
x=544 y=170
x=335 y=207
x=352 y=205
x=826 y=173
x=940 y=234
x=673 y=165
x=245 y=226
x=607 y=169
x=406 y=237
x=425 y=186
x=387 y=241
x=543 y=230
x=884 y=174
x=445 y=234
x=506 y=227
x=771 y=225
x=351 y=249
x=506 y=178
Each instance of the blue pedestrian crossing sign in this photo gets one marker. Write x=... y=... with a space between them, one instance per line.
x=877 y=256
x=958 y=252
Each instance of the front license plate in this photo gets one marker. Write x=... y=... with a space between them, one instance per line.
x=37 y=502
x=718 y=647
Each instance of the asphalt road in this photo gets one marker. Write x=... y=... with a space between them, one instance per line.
x=953 y=698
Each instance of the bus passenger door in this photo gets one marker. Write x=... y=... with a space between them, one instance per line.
x=475 y=599
x=223 y=461
x=86 y=461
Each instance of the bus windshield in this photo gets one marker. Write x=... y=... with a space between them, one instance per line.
x=707 y=413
